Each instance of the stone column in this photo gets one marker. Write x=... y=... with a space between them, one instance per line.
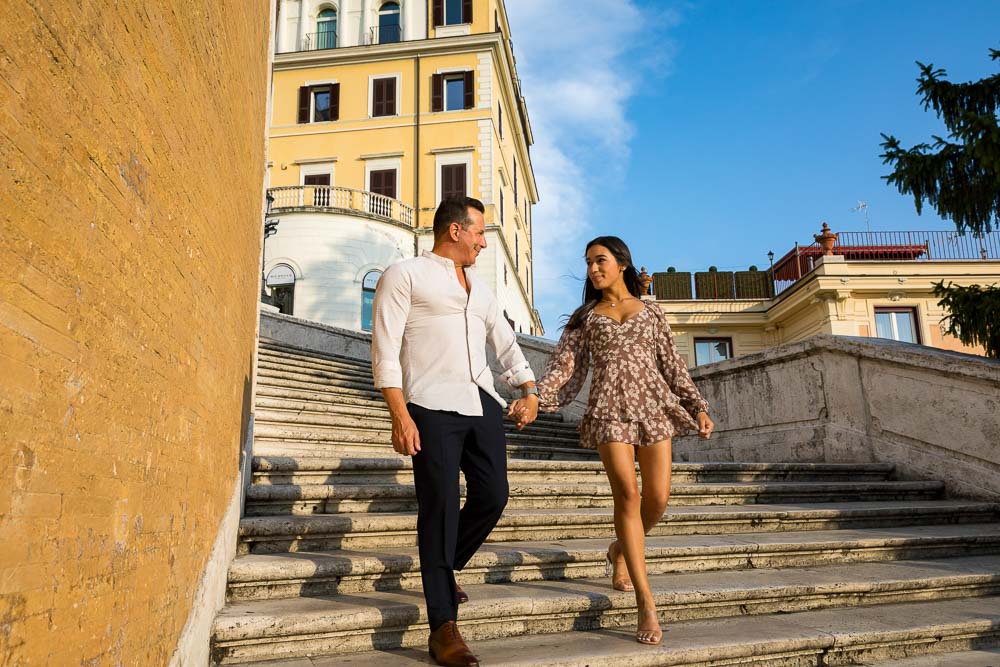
x=366 y=21
x=303 y=22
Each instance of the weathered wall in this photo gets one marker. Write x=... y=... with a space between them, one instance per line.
x=934 y=414
x=132 y=145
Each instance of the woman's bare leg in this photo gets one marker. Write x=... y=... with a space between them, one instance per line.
x=619 y=463
x=654 y=466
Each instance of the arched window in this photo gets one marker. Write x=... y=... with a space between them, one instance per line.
x=281 y=280
x=389 y=30
x=326 y=29
x=368 y=298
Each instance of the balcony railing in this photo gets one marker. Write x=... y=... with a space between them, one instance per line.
x=320 y=40
x=333 y=199
x=888 y=247
x=385 y=34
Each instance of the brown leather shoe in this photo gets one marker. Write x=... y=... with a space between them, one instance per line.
x=448 y=649
x=463 y=597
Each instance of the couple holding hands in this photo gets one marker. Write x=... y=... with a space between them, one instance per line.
x=432 y=323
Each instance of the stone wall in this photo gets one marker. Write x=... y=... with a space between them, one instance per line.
x=934 y=414
x=132 y=145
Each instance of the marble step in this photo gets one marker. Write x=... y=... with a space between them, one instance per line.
x=268 y=364
x=332 y=397
x=312 y=363
x=274 y=346
x=333 y=416
x=311 y=403
x=388 y=620
x=349 y=390
x=344 y=572
x=262 y=500
x=399 y=469
x=269 y=371
x=934 y=634
x=325 y=532
x=311 y=449
x=382 y=434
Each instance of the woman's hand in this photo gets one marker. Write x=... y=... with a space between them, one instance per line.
x=705 y=425
x=524 y=411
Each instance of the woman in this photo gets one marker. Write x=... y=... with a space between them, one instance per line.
x=641 y=395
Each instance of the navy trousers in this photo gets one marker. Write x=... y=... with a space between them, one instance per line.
x=447 y=536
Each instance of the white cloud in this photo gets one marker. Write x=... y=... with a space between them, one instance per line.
x=580 y=63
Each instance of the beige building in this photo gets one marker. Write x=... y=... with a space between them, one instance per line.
x=874 y=284
x=381 y=109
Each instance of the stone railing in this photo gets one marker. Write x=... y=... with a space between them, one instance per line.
x=334 y=199
x=933 y=414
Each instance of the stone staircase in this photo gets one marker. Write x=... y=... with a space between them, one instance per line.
x=753 y=564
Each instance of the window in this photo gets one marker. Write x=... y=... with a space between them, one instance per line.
x=281 y=280
x=319 y=195
x=326 y=29
x=897 y=324
x=452 y=92
x=389 y=31
x=384 y=97
x=501 y=206
x=319 y=104
x=515 y=181
x=505 y=273
x=517 y=253
x=453 y=180
x=382 y=182
x=711 y=350
x=452 y=12
x=368 y=298
x=500 y=119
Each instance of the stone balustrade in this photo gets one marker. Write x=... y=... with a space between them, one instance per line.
x=335 y=199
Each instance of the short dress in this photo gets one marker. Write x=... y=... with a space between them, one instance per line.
x=641 y=391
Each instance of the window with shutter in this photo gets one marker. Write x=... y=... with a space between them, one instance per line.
x=437 y=92
x=384 y=97
x=469 y=99
x=453 y=180
x=304 y=99
x=383 y=182
x=437 y=11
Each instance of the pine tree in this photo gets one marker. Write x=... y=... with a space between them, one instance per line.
x=960 y=178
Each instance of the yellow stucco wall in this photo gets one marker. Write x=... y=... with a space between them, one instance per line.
x=131 y=139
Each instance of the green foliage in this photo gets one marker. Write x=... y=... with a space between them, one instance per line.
x=975 y=314
x=960 y=178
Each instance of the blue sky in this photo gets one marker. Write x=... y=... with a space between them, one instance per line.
x=707 y=133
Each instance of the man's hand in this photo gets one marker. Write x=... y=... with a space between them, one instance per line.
x=405 y=437
x=705 y=425
x=524 y=410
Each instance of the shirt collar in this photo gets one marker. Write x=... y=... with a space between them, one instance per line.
x=443 y=261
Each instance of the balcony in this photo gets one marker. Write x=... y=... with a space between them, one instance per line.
x=318 y=41
x=332 y=199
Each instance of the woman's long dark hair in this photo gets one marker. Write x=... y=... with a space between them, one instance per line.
x=592 y=295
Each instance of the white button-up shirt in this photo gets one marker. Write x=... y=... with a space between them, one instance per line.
x=429 y=337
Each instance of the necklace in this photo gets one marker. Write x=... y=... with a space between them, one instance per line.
x=613 y=304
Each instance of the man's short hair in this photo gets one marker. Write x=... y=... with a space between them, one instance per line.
x=455 y=209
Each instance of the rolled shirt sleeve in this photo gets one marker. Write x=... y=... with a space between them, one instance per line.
x=389 y=314
x=515 y=368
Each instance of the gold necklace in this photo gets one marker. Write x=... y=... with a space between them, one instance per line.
x=613 y=304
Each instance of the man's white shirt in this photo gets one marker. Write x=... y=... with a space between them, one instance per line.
x=429 y=337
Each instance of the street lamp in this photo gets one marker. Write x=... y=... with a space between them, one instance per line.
x=770 y=259
x=270 y=229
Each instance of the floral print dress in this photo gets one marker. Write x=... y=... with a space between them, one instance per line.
x=641 y=391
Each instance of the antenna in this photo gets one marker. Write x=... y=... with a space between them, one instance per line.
x=863 y=206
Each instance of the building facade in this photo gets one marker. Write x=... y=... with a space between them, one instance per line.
x=380 y=110
x=877 y=284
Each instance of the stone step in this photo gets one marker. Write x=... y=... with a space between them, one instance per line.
x=399 y=469
x=269 y=371
x=319 y=417
x=937 y=633
x=274 y=576
x=279 y=348
x=349 y=390
x=387 y=620
x=309 y=363
x=329 y=397
x=515 y=450
x=326 y=532
x=311 y=403
x=982 y=658
x=265 y=500
x=382 y=436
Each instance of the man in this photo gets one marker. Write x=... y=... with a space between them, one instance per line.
x=432 y=322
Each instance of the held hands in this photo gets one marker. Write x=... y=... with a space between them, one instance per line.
x=524 y=411
x=705 y=425
x=405 y=437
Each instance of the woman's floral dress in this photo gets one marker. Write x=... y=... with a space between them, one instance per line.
x=641 y=391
